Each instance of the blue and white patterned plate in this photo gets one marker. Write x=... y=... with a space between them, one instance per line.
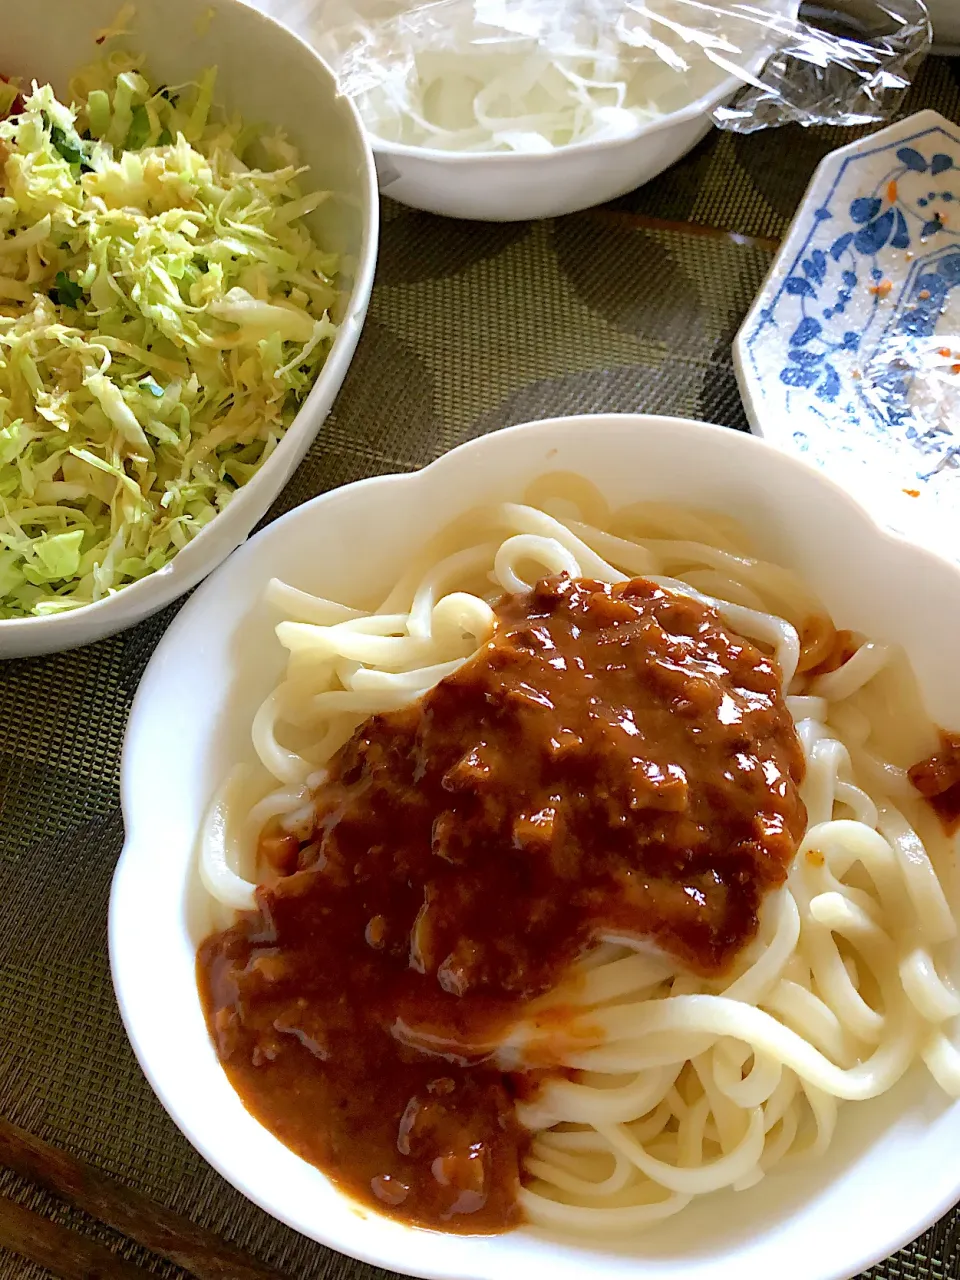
x=850 y=355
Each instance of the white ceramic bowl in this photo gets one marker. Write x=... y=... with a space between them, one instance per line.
x=268 y=75
x=509 y=186
x=893 y=1167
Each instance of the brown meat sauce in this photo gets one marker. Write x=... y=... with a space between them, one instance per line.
x=613 y=761
x=937 y=779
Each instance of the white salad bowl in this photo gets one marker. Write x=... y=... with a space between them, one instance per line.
x=268 y=75
x=892 y=1169
x=513 y=186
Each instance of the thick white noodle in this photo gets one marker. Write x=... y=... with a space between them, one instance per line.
x=685 y=1085
x=223 y=856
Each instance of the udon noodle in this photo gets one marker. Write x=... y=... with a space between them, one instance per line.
x=683 y=1085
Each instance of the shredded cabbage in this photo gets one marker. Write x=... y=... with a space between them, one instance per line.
x=529 y=76
x=163 y=313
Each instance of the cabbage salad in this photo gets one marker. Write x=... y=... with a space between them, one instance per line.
x=163 y=313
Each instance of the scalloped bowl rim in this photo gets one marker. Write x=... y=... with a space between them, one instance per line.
x=338 y=1222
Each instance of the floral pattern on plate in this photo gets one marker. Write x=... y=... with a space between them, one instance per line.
x=850 y=355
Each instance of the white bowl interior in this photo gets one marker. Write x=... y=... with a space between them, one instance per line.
x=190 y=723
x=270 y=76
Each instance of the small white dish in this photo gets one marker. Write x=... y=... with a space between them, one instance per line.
x=850 y=355
x=267 y=74
x=892 y=1169
x=514 y=186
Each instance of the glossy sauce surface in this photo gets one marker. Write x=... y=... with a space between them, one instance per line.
x=613 y=762
x=938 y=781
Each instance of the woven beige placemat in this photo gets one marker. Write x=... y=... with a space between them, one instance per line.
x=471 y=327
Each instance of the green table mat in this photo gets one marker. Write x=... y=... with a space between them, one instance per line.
x=629 y=307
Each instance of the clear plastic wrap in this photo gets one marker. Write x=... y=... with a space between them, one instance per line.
x=846 y=64
x=912 y=384
x=534 y=75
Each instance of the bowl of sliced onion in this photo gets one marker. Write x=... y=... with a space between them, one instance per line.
x=500 y=110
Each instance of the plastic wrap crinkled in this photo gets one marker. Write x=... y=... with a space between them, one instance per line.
x=533 y=75
x=844 y=64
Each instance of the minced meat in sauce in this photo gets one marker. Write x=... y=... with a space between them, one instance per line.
x=937 y=779
x=614 y=761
